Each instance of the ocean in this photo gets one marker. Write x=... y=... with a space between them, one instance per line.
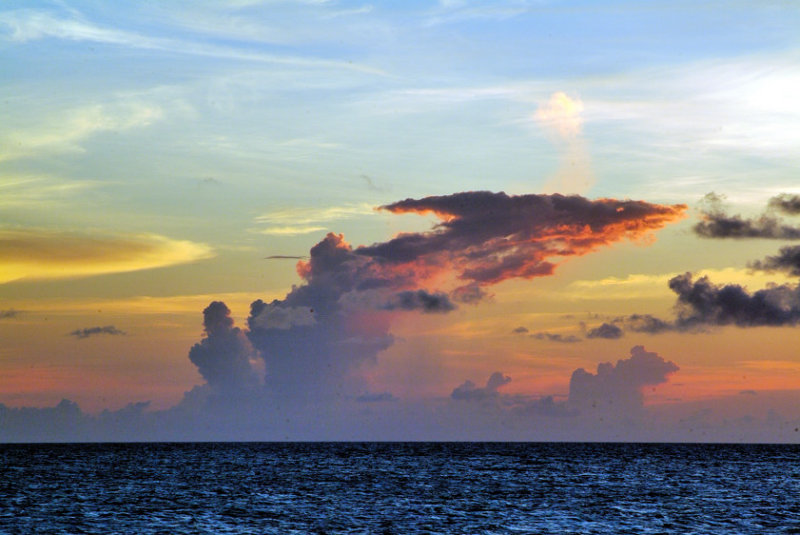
x=385 y=488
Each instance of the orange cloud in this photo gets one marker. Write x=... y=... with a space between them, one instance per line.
x=490 y=237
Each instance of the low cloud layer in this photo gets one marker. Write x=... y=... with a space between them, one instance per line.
x=94 y=331
x=607 y=405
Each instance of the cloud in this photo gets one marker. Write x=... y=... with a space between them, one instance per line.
x=555 y=337
x=468 y=391
x=718 y=224
x=787 y=260
x=786 y=203
x=92 y=331
x=562 y=115
x=454 y=11
x=50 y=254
x=520 y=330
x=307 y=360
x=701 y=302
x=618 y=388
x=489 y=237
x=607 y=331
x=73 y=126
x=284 y=257
x=561 y=118
x=291 y=230
x=25 y=25
x=275 y=315
x=471 y=294
x=645 y=323
x=39 y=191
x=420 y=300
x=317 y=339
x=9 y=313
x=223 y=356
x=305 y=220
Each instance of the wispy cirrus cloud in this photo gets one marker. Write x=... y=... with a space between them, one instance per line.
x=65 y=132
x=28 y=24
x=27 y=191
x=53 y=254
x=305 y=220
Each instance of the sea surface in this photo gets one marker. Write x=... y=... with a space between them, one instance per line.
x=399 y=488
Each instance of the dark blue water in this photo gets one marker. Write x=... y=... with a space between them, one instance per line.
x=399 y=488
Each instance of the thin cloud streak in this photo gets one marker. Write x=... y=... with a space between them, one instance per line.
x=51 y=254
x=27 y=25
x=94 y=331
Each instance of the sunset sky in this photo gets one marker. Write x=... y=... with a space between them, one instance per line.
x=423 y=218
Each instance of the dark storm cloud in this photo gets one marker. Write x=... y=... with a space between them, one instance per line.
x=787 y=260
x=223 y=356
x=788 y=204
x=420 y=300
x=701 y=302
x=608 y=331
x=468 y=391
x=555 y=337
x=717 y=223
x=618 y=388
x=92 y=331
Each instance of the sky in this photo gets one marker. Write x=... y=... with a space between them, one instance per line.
x=424 y=220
